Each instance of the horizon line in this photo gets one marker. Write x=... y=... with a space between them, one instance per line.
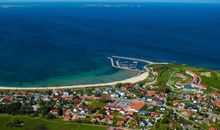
x=114 y=1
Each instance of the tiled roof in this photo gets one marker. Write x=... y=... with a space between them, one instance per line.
x=203 y=86
x=137 y=106
x=130 y=112
x=215 y=94
x=217 y=104
x=54 y=110
x=7 y=97
x=151 y=93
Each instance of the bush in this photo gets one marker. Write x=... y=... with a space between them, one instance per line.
x=15 y=123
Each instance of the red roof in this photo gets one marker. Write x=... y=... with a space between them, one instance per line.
x=56 y=97
x=67 y=97
x=100 y=115
x=66 y=118
x=143 y=91
x=195 y=76
x=214 y=94
x=111 y=117
x=130 y=112
x=162 y=93
x=137 y=106
x=151 y=93
x=155 y=114
x=217 y=104
x=184 y=84
x=200 y=96
x=188 y=111
x=126 y=87
x=66 y=112
x=54 y=110
x=7 y=97
x=203 y=86
x=119 y=123
x=213 y=128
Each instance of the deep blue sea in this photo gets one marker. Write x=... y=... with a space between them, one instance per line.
x=47 y=44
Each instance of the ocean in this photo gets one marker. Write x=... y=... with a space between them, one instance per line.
x=53 y=44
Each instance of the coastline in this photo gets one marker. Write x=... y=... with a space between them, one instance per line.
x=137 y=78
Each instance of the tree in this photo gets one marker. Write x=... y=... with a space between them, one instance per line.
x=165 y=120
x=60 y=111
x=50 y=116
x=15 y=123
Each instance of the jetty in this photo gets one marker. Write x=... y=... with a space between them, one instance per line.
x=134 y=59
x=133 y=66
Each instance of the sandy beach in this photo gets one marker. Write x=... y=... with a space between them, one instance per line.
x=134 y=79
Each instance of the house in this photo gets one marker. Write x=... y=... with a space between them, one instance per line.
x=46 y=98
x=100 y=116
x=212 y=128
x=217 y=104
x=67 y=117
x=111 y=117
x=35 y=107
x=120 y=123
x=151 y=93
x=155 y=115
x=130 y=112
x=67 y=98
x=114 y=95
x=66 y=112
x=200 y=96
x=194 y=75
x=126 y=87
x=162 y=94
x=201 y=86
x=136 y=107
x=187 y=112
x=56 y=97
x=54 y=111
x=7 y=97
x=214 y=94
x=75 y=117
x=121 y=110
x=193 y=82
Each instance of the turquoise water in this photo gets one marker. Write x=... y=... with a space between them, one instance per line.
x=51 y=44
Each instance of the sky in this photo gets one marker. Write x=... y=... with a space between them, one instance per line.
x=203 y=1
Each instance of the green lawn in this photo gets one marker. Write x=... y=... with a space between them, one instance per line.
x=43 y=124
x=166 y=70
x=94 y=102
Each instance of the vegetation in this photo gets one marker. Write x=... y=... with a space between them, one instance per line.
x=15 y=123
x=94 y=102
x=8 y=121
x=209 y=77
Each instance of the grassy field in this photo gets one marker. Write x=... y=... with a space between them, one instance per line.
x=213 y=81
x=43 y=124
x=94 y=102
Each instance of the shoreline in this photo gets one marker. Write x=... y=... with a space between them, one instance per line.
x=136 y=78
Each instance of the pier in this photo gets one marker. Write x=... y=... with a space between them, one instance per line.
x=132 y=66
x=119 y=67
x=134 y=59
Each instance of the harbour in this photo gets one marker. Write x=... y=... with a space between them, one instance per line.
x=131 y=64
